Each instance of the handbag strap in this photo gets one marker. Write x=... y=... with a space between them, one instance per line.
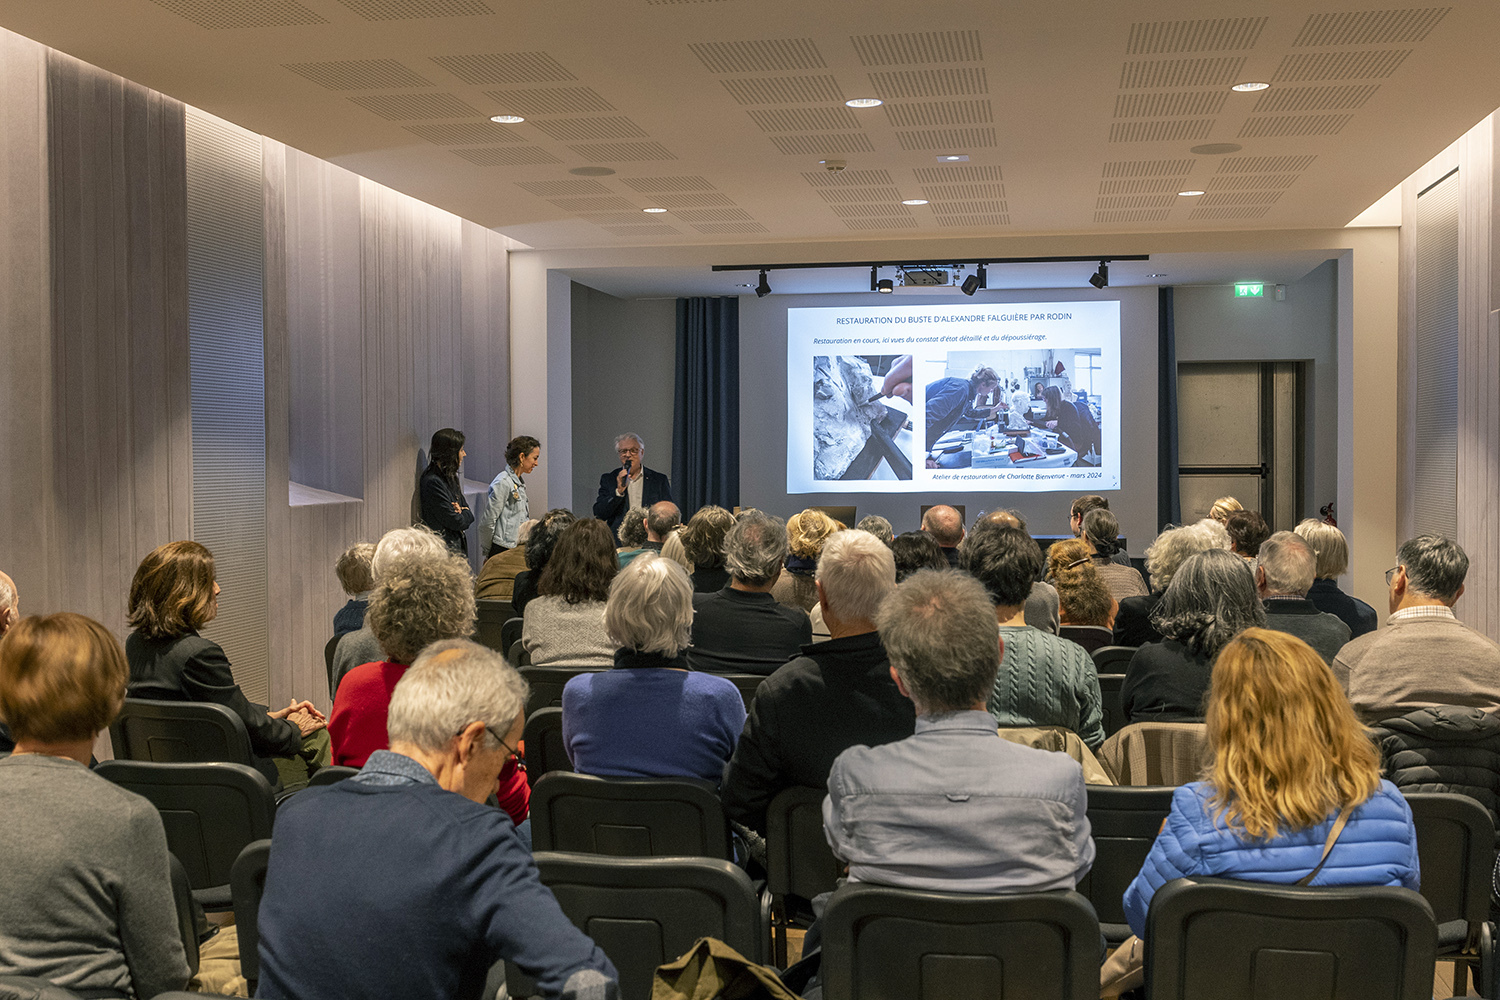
x=1333 y=836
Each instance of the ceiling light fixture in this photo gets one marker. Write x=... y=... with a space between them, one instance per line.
x=975 y=282
x=1250 y=87
x=865 y=102
x=764 y=288
x=654 y=211
x=1100 y=278
x=1216 y=148
x=885 y=286
x=1188 y=194
x=591 y=171
x=954 y=157
x=915 y=201
x=507 y=119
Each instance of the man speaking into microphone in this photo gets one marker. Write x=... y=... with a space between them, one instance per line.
x=631 y=485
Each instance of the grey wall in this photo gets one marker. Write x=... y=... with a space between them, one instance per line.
x=763 y=420
x=1212 y=325
x=624 y=358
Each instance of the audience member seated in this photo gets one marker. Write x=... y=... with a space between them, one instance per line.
x=1043 y=680
x=10 y=613
x=1041 y=603
x=1289 y=760
x=703 y=539
x=651 y=716
x=806 y=534
x=88 y=895
x=497 y=577
x=1211 y=600
x=674 y=550
x=361 y=647
x=400 y=881
x=1101 y=533
x=742 y=628
x=539 y=546
x=632 y=535
x=355 y=577
x=1443 y=749
x=662 y=518
x=1133 y=625
x=946 y=526
x=836 y=695
x=1008 y=818
x=1080 y=508
x=1332 y=550
x=1247 y=529
x=565 y=622
x=1222 y=508
x=1424 y=656
x=1283 y=573
x=877 y=526
x=172 y=596
x=1085 y=605
x=914 y=550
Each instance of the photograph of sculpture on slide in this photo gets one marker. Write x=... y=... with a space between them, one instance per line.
x=858 y=433
x=1036 y=408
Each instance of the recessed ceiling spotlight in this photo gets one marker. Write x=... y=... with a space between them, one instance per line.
x=591 y=171
x=954 y=158
x=654 y=211
x=1185 y=194
x=1216 y=148
x=507 y=119
x=1250 y=87
x=865 y=102
x=1158 y=274
x=915 y=201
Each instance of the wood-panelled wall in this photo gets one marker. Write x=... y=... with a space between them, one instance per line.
x=425 y=293
x=95 y=429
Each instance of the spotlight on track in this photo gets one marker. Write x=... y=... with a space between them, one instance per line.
x=885 y=286
x=764 y=288
x=975 y=282
x=1100 y=278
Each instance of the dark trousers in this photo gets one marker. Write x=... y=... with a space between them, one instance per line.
x=496 y=549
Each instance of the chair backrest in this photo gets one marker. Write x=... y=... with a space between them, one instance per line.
x=329 y=648
x=179 y=732
x=747 y=683
x=489 y=623
x=544 y=744
x=628 y=817
x=1156 y=753
x=547 y=684
x=1456 y=847
x=1124 y=822
x=510 y=634
x=187 y=914
x=331 y=774
x=247 y=879
x=1112 y=659
x=1114 y=709
x=883 y=943
x=644 y=912
x=210 y=812
x=1243 y=941
x=798 y=859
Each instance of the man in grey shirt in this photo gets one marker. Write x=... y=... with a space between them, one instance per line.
x=1284 y=571
x=954 y=807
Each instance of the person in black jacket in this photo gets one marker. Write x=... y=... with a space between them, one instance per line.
x=631 y=485
x=1332 y=549
x=174 y=594
x=444 y=508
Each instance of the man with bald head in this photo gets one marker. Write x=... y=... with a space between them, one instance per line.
x=662 y=518
x=10 y=613
x=947 y=526
x=1041 y=603
x=1284 y=571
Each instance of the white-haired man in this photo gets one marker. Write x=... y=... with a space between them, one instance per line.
x=836 y=695
x=631 y=485
x=1284 y=571
x=400 y=881
x=742 y=628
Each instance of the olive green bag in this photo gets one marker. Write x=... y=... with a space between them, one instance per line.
x=711 y=970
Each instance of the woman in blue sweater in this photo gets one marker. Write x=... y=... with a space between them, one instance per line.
x=650 y=717
x=1288 y=755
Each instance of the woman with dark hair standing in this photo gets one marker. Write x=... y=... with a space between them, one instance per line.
x=1073 y=420
x=174 y=594
x=444 y=508
x=565 y=622
x=507 y=506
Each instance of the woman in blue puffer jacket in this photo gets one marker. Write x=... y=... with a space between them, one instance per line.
x=1287 y=755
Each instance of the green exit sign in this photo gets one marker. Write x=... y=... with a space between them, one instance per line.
x=1248 y=290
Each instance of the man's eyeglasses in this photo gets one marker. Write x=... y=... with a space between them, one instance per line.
x=1389 y=574
x=496 y=737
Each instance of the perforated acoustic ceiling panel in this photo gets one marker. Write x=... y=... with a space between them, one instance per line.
x=225 y=14
x=225 y=225
x=403 y=10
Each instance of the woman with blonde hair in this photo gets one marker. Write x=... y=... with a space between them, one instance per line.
x=1289 y=763
x=1086 y=609
x=1332 y=551
x=805 y=534
x=1223 y=507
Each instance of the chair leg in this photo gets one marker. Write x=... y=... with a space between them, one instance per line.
x=1486 y=970
x=779 y=925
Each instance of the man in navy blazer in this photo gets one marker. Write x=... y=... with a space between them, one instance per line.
x=631 y=485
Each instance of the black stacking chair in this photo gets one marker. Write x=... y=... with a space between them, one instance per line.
x=544 y=744
x=1124 y=820
x=179 y=732
x=1113 y=659
x=628 y=817
x=547 y=684
x=247 y=878
x=489 y=623
x=1114 y=712
x=799 y=862
x=645 y=912
x=210 y=812
x=329 y=648
x=747 y=683
x=883 y=943
x=1456 y=846
x=187 y=914
x=331 y=775
x=1234 y=940
x=510 y=634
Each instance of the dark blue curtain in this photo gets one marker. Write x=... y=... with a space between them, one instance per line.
x=1168 y=498
x=706 y=410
